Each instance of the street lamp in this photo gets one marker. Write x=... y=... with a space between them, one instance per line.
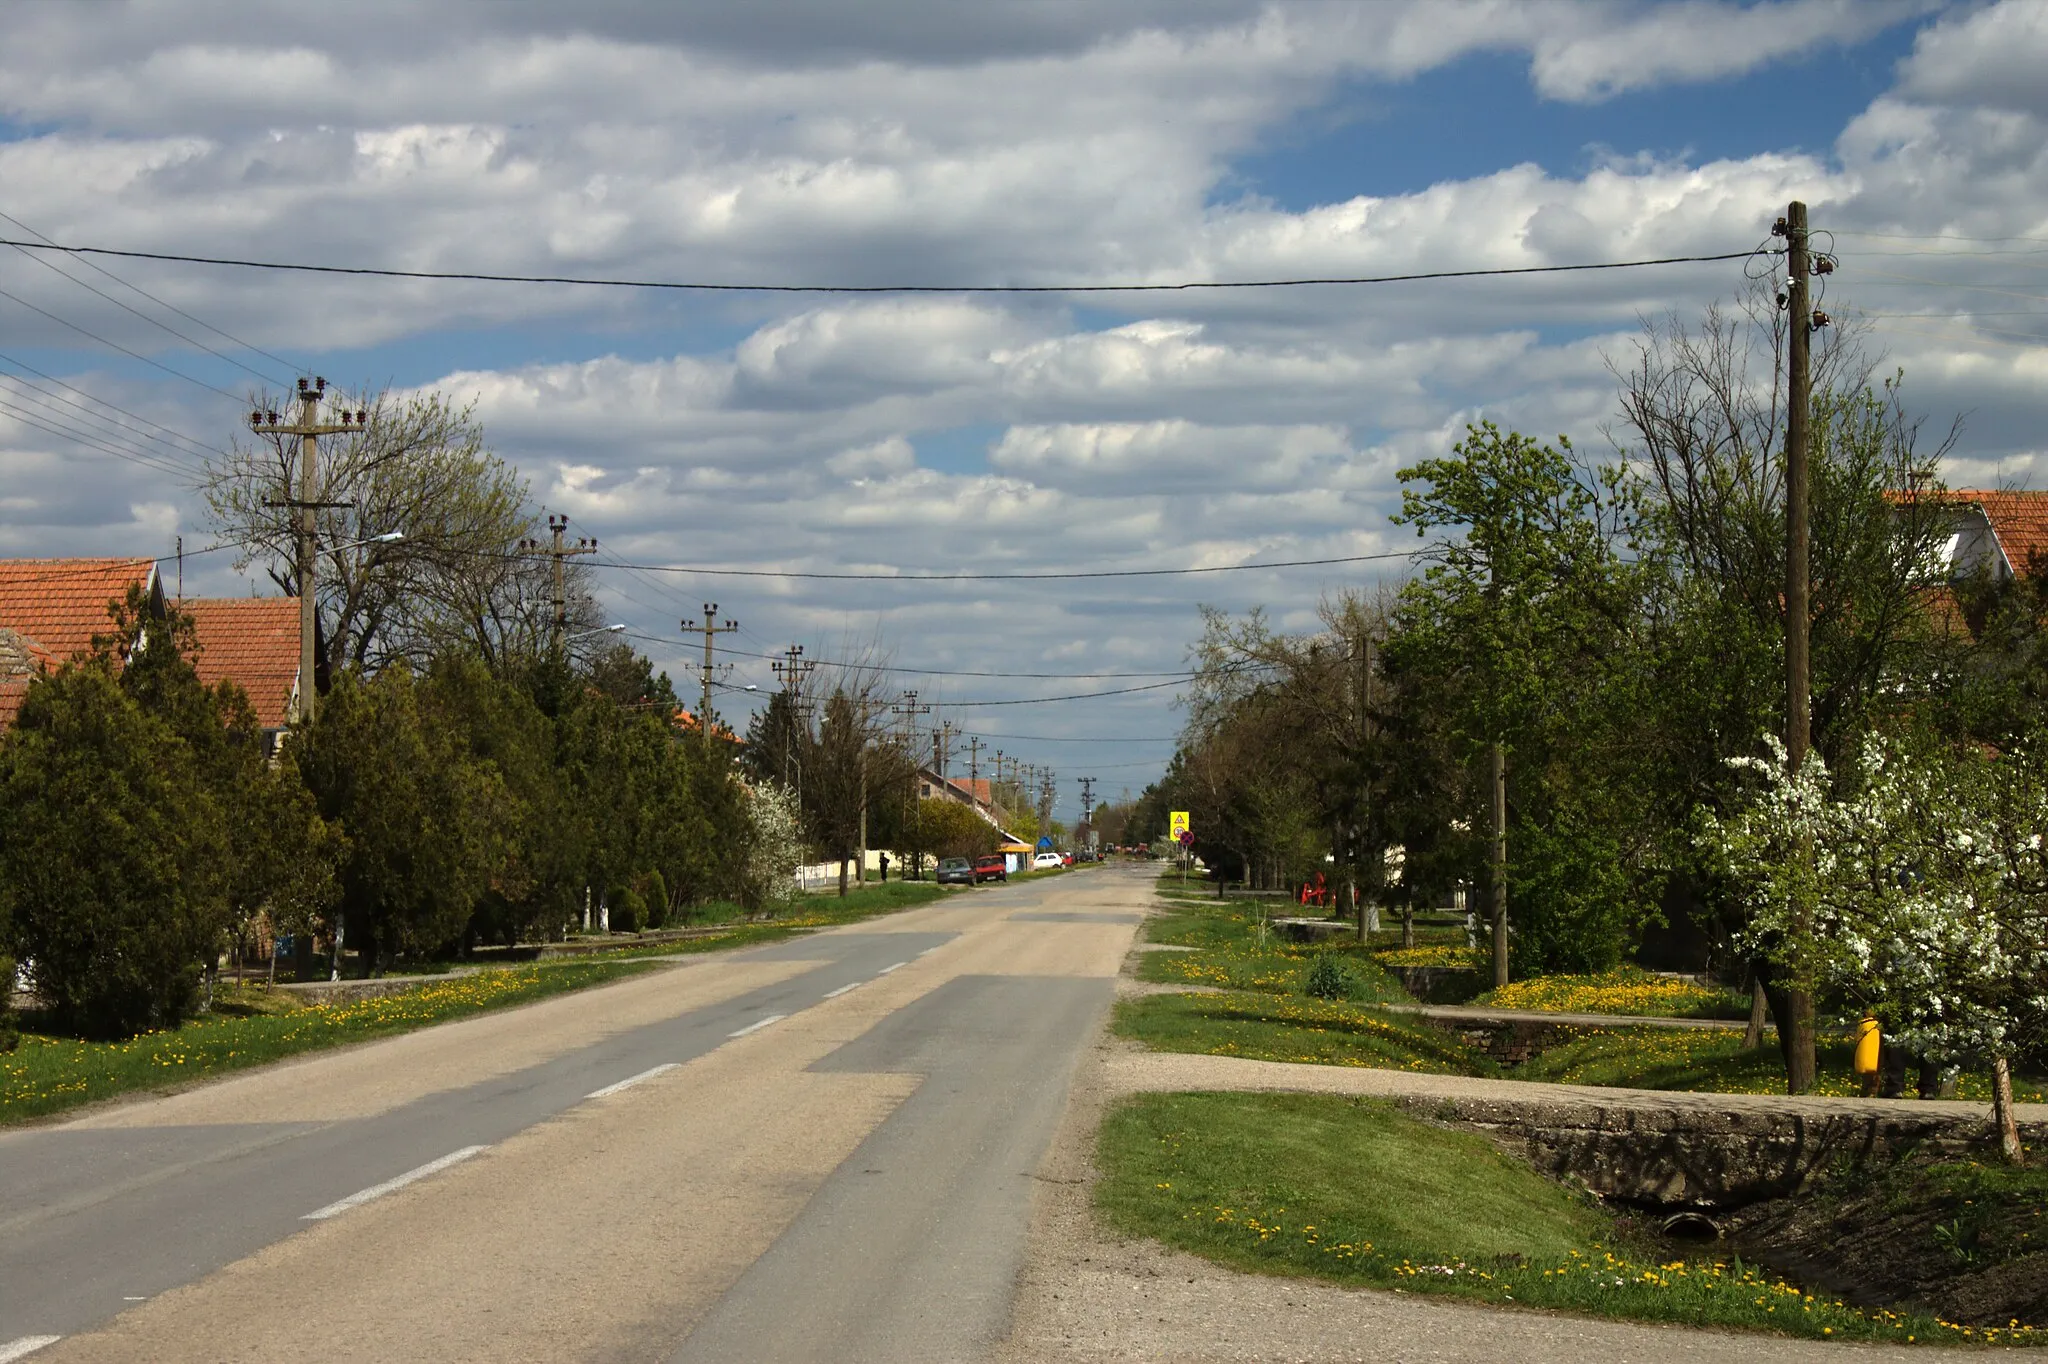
x=600 y=630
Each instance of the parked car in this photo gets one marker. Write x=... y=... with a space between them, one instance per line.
x=1045 y=861
x=956 y=871
x=1066 y=859
x=991 y=868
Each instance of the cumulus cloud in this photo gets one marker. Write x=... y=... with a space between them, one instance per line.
x=1031 y=142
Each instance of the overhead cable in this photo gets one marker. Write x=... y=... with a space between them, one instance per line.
x=705 y=286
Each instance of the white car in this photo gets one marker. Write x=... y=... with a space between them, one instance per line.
x=1041 y=861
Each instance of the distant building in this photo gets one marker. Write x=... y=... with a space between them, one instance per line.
x=50 y=610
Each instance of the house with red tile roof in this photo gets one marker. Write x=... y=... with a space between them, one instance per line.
x=2003 y=532
x=50 y=609
x=254 y=642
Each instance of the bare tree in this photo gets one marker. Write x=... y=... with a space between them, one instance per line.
x=420 y=467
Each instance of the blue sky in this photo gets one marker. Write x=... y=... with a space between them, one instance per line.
x=1004 y=144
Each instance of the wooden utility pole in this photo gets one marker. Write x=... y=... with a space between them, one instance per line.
x=973 y=763
x=711 y=630
x=942 y=744
x=559 y=551
x=1798 y=1025
x=907 y=710
x=308 y=428
x=1499 y=764
x=791 y=670
x=1088 y=809
x=1366 y=890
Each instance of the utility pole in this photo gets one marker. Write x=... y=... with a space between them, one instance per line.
x=1500 y=865
x=1796 y=1029
x=973 y=763
x=1088 y=808
x=1366 y=836
x=791 y=670
x=560 y=552
x=711 y=630
x=942 y=744
x=308 y=428
x=907 y=710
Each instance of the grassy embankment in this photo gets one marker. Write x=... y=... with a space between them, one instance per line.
x=1355 y=1192
x=1265 y=1013
x=48 y=1073
x=823 y=909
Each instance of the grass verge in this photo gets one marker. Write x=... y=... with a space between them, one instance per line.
x=1265 y=1027
x=1355 y=1192
x=1624 y=990
x=46 y=1074
x=801 y=915
x=1268 y=1015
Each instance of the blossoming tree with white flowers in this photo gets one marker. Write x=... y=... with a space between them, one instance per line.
x=1928 y=884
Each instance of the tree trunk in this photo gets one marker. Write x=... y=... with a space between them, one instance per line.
x=842 y=878
x=1753 y=1036
x=1893 y=1064
x=1795 y=1030
x=1408 y=923
x=2009 y=1148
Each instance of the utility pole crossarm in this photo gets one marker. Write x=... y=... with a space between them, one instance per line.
x=308 y=428
x=560 y=552
x=711 y=630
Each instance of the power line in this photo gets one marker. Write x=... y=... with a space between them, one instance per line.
x=236 y=398
x=1003 y=577
x=251 y=347
x=27 y=418
x=129 y=308
x=200 y=446
x=1182 y=675
x=1072 y=696
x=1181 y=286
x=99 y=561
x=105 y=428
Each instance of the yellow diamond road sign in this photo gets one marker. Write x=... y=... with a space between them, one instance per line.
x=1177 y=824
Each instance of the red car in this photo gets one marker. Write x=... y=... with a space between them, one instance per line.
x=991 y=868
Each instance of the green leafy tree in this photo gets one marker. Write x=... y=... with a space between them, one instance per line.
x=1522 y=624
x=952 y=829
x=423 y=819
x=112 y=868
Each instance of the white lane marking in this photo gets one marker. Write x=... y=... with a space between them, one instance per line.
x=134 y=1299
x=24 y=1346
x=929 y=950
x=362 y=1196
x=631 y=1080
x=834 y=994
x=757 y=1026
x=887 y=969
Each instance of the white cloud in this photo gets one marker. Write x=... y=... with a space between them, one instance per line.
x=1020 y=143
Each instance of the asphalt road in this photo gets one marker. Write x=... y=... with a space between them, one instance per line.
x=819 y=1149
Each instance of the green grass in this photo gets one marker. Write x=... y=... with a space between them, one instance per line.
x=789 y=918
x=1236 y=950
x=48 y=1074
x=1355 y=1192
x=1268 y=1016
x=1623 y=990
x=1711 y=1062
x=1266 y=1027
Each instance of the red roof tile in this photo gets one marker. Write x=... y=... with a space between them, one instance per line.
x=2018 y=519
x=61 y=604
x=255 y=642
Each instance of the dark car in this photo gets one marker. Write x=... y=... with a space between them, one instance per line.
x=991 y=868
x=956 y=871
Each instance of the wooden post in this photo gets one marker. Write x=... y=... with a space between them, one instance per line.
x=1798 y=1026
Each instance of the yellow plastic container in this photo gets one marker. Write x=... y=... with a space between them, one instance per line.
x=1869 y=1044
